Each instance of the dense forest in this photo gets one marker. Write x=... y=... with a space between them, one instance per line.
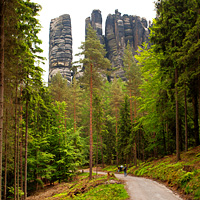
x=47 y=133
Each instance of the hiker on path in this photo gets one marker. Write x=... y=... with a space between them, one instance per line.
x=125 y=169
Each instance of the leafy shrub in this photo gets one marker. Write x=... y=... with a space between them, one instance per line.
x=186 y=178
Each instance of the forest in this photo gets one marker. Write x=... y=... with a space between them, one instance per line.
x=48 y=132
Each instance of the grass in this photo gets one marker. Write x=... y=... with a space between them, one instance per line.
x=107 y=192
x=100 y=187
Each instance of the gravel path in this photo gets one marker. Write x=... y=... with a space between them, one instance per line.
x=140 y=188
x=145 y=189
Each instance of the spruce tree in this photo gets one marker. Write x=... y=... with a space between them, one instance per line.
x=169 y=30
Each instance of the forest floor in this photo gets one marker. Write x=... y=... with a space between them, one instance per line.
x=172 y=178
x=138 y=189
x=101 y=187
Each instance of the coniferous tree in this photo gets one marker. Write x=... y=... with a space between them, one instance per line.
x=116 y=100
x=133 y=81
x=95 y=65
x=125 y=136
x=169 y=31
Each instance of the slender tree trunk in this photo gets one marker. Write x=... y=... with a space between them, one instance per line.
x=15 y=147
x=91 y=136
x=6 y=156
x=143 y=151
x=102 y=151
x=154 y=142
x=197 y=142
x=198 y=62
x=2 y=7
x=135 y=144
x=186 y=123
x=18 y=162
x=116 y=134
x=167 y=131
x=131 y=108
x=97 y=154
x=164 y=140
x=177 y=117
x=196 y=125
x=21 y=150
x=75 y=112
x=26 y=153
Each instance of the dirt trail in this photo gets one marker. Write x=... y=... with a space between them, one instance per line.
x=140 y=188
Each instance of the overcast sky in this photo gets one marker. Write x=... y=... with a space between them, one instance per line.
x=79 y=10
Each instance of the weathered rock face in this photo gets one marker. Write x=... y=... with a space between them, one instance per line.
x=96 y=22
x=60 y=47
x=119 y=30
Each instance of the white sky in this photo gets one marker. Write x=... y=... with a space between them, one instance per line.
x=79 y=10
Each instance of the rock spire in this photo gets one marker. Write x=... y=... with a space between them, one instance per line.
x=60 y=47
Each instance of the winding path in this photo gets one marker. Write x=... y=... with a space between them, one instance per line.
x=145 y=189
x=140 y=188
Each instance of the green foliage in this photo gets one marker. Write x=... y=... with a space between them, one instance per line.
x=11 y=192
x=97 y=188
x=110 y=191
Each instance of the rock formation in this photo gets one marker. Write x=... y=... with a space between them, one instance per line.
x=60 y=47
x=96 y=22
x=119 y=30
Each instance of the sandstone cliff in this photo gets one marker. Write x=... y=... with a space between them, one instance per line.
x=118 y=30
x=96 y=22
x=60 y=47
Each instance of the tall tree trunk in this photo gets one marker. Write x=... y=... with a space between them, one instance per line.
x=196 y=125
x=167 y=131
x=102 y=151
x=135 y=144
x=21 y=149
x=143 y=151
x=2 y=7
x=18 y=162
x=74 y=112
x=198 y=62
x=15 y=147
x=116 y=134
x=97 y=154
x=26 y=153
x=6 y=156
x=186 y=123
x=91 y=136
x=177 y=117
x=164 y=140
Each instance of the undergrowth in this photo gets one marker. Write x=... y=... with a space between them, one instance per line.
x=100 y=187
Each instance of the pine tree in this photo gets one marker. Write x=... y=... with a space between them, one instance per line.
x=95 y=65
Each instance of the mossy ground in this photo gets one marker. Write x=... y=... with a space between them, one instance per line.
x=100 y=187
